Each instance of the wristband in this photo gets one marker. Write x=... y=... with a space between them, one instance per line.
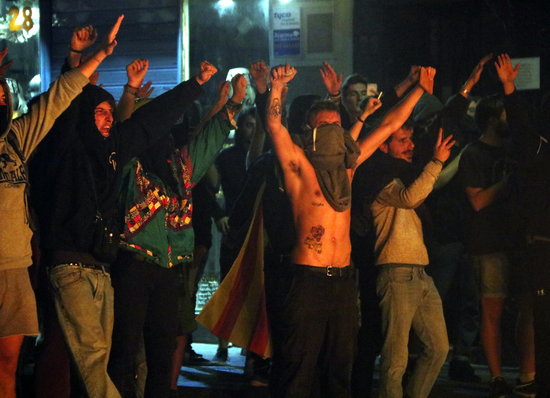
x=233 y=106
x=130 y=90
x=75 y=51
x=436 y=160
x=361 y=120
x=335 y=95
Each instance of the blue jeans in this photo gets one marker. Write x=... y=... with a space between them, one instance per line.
x=409 y=299
x=84 y=304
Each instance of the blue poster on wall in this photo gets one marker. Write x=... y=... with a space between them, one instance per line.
x=286 y=31
x=286 y=42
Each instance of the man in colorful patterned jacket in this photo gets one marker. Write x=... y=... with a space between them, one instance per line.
x=157 y=238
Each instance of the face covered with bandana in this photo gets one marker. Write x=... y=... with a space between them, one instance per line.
x=331 y=151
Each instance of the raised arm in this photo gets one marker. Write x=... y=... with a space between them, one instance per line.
x=373 y=104
x=31 y=128
x=82 y=38
x=474 y=76
x=260 y=73
x=525 y=136
x=204 y=147
x=397 y=195
x=89 y=66
x=397 y=116
x=155 y=119
x=287 y=152
x=411 y=79
x=507 y=73
x=235 y=103
x=331 y=79
x=135 y=71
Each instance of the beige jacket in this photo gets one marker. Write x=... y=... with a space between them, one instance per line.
x=399 y=238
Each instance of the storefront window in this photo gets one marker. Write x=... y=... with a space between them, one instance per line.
x=230 y=34
x=19 y=31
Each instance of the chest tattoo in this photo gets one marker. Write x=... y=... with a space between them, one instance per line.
x=313 y=240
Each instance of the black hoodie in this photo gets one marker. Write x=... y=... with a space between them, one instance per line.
x=80 y=158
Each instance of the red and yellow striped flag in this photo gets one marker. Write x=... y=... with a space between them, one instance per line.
x=237 y=310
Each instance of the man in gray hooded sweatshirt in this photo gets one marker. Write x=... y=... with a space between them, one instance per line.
x=18 y=139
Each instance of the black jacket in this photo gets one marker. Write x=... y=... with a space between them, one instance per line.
x=78 y=158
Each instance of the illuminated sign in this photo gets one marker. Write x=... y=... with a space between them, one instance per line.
x=20 y=32
x=286 y=31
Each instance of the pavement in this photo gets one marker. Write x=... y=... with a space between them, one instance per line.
x=227 y=380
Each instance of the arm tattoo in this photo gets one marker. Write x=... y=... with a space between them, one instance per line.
x=275 y=108
x=313 y=240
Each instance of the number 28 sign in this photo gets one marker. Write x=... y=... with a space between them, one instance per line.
x=21 y=19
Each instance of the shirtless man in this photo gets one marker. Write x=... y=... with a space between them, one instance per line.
x=320 y=312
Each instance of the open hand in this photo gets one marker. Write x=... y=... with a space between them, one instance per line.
x=145 y=90
x=83 y=37
x=110 y=40
x=442 y=149
x=507 y=73
x=332 y=80
x=207 y=71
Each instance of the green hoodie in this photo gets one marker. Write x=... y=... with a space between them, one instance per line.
x=157 y=222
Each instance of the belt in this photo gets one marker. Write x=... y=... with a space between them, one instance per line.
x=104 y=268
x=330 y=271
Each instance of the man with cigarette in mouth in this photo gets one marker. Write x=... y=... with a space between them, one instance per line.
x=320 y=312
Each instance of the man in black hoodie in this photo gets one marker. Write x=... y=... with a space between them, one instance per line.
x=18 y=140
x=90 y=151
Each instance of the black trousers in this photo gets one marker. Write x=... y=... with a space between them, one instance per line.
x=318 y=333
x=145 y=305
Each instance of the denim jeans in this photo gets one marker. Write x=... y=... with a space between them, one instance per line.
x=409 y=299
x=84 y=304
